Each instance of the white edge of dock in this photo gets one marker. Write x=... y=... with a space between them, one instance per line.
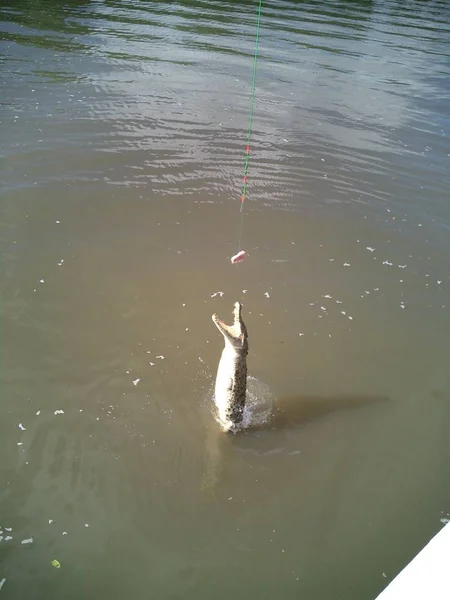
x=427 y=575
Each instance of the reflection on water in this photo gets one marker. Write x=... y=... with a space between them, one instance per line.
x=123 y=128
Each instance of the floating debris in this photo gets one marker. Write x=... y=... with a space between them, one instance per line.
x=55 y=563
x=136 y=381
x=22 y=427
x=27 y=541
x=58 y=412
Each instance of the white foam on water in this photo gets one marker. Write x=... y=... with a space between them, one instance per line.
x=58 y=412
x=259 y=405
x=27 y=541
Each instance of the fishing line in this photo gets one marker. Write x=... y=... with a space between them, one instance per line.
x=241 y=253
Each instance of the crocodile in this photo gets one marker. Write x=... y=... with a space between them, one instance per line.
x=231 y=380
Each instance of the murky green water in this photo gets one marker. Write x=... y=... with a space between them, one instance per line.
x=123 y=130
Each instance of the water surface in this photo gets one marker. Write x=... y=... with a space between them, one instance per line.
x=123 y=130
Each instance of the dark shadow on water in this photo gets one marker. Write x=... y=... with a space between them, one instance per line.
x=261 y=437
x=295 y=411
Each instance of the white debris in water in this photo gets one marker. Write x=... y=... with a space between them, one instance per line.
x=22 y=427
x=445 y=521
x=217 y=294
x=331 y=259
x=8 y=538
x=402 y=266
x=346 y=264
x=343 y=313
x=64 y=533
x=151 y=364
x=244 y=291
x=2 y=582
x=8 y=528
x=58 y=222
x=58 y=412
x=338 y=302
x=38 y=413
x=386 y=262
x=86 y=524
x=50 y=521
x=351 y=318
x=327 y=296
x=60 y=262
x=184 y=304
x=41 y=281
x=267 y=295
x=323 y=308
x=439 y=282
x=20 y=443
x=136 y=381
x=27 y=541
x=300 y=334
x=384 y=575
x=370 y=249
x=161 y=357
